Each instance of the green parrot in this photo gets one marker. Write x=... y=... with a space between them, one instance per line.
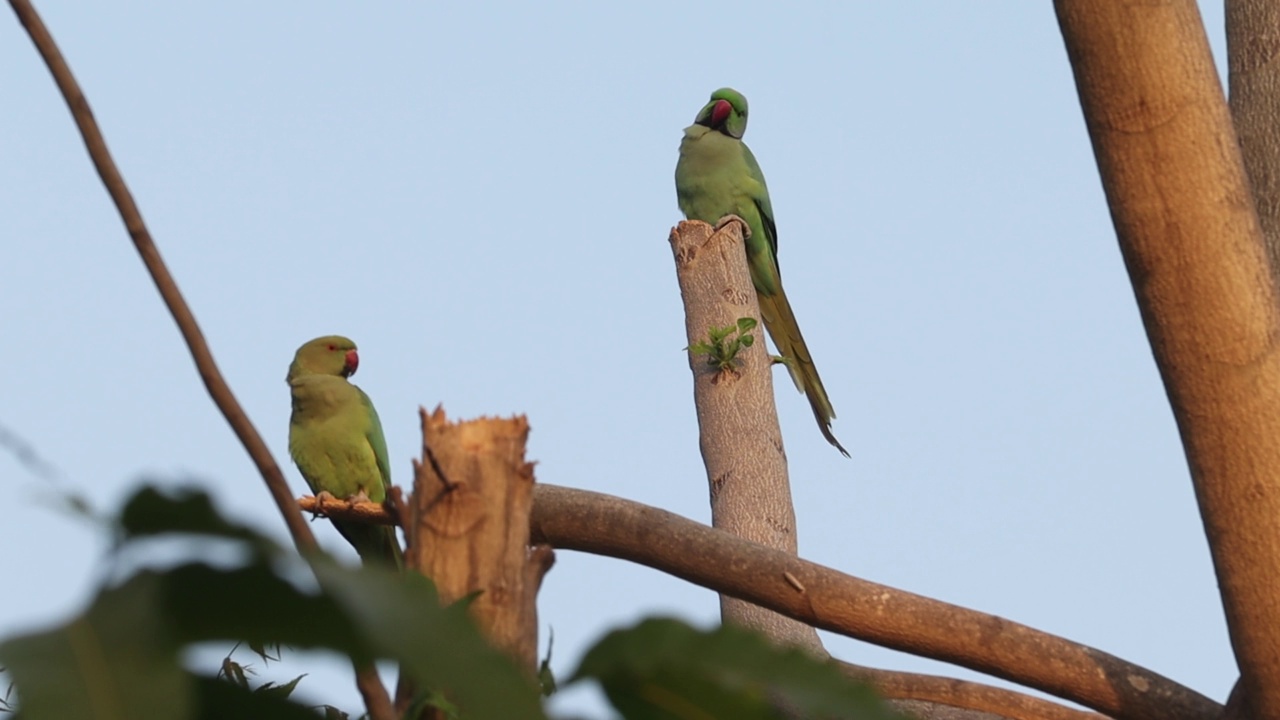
x=336 y=440
x=718 y=176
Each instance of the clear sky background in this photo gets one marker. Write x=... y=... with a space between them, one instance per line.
x=480 y=195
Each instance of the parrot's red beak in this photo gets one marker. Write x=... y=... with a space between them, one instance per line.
x=353 y=362
x=720 y=113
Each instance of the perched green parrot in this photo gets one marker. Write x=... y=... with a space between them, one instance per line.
x=336 y=440
x=718 y=176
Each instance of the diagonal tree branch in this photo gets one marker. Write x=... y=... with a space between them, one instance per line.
x=831 y=600
x=605 y=525
x=377 y=701
x=165 y=284
x=1184 y=217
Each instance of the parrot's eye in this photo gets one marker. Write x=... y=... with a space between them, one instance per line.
x=333 y=347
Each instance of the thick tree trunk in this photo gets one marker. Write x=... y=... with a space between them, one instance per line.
x=1181 y=205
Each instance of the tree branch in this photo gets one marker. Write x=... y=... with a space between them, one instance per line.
x=830 y=600
x=377 y=701
x=739 y=436
x=1006 y=703
x=1184 y=217
x=1253 y=61
x=819 y=596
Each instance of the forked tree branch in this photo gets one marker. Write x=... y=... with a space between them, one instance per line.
x=377 y=701
x=1184 y=217
x=825 y=598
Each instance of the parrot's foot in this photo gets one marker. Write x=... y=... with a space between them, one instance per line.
x=746 y=229
x=322 y=497
x=360 y=497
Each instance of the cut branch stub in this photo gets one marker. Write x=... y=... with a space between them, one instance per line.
x=737 y=420
x=472 y=496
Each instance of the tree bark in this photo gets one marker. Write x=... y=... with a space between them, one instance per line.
x=888 y=617
x=472 y=495
x=468 y=530
x=739 y=435
x=1253 y=63
x=1181 y=205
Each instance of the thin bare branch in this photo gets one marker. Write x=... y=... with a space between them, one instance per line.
x=897 y=685
x=332 y=507
x=377 y=701
x=165 y=284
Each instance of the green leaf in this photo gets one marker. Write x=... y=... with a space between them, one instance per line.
x=280 y=691
x=234 y=672
x=118 y=660
x=262 y=651
x=439 y=647
x=746 y=323
x=190 y=511
x=664 y=669
x=547 y=678
x=254 y=604
x=220 y=700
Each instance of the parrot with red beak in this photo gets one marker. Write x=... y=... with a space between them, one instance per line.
x=335 y=438
x=717 y=176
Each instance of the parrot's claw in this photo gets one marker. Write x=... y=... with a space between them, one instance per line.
x=321 y=498
x=360 y=497
x=746 y=229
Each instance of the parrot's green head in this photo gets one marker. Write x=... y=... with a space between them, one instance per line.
x=726 y=112
x=328 y=355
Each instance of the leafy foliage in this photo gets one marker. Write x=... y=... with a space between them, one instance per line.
x=120 y=657
x=664 y=669
x=723 y=344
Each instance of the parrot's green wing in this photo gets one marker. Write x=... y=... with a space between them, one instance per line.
x=763 y=206
x=717 y=175
x=376 y=441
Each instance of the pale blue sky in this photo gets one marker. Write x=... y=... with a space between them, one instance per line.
x=480 y=194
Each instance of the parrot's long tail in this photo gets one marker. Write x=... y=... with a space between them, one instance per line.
x=785 y=331
x=374 y=543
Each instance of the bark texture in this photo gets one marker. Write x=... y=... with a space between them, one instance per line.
x=472 y=495
x=1253 y=62
x=738 y=422
x=1184 y=216
x=885 y=616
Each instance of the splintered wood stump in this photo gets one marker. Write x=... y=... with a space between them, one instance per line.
x=737 y=419
x=472 y=495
